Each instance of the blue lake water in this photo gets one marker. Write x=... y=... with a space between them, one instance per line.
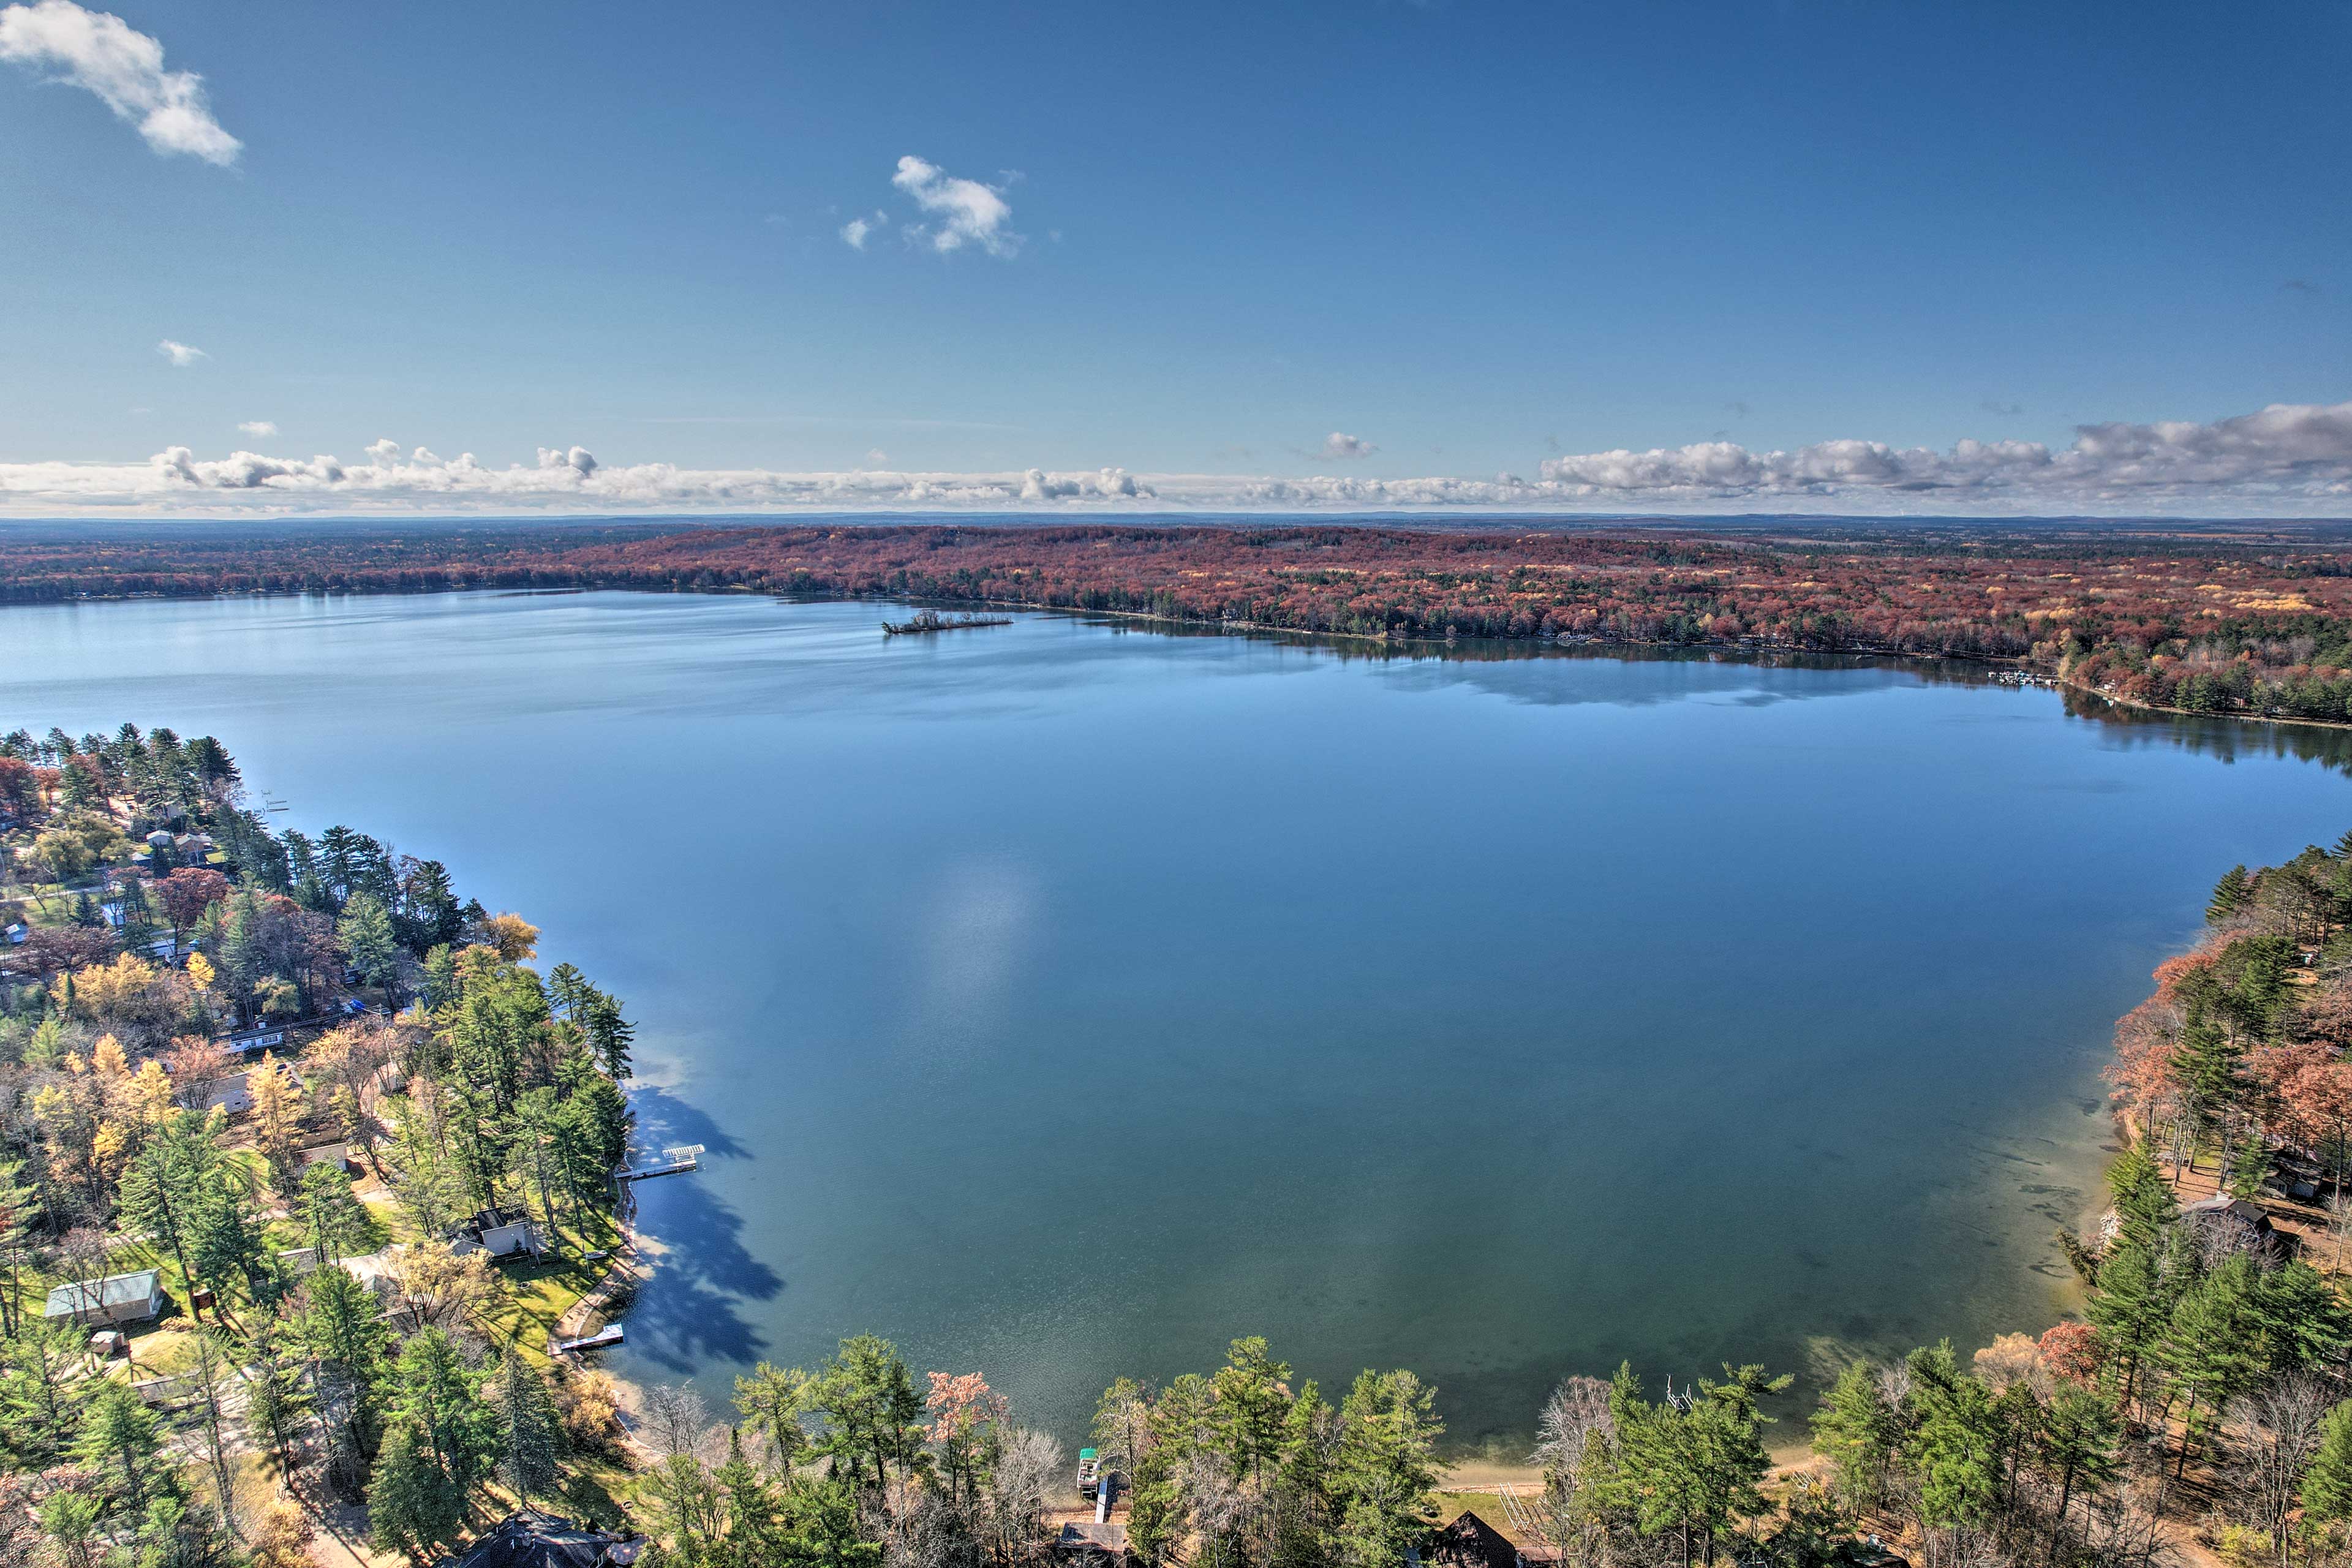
x=1065 y=999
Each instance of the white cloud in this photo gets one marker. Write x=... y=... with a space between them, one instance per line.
x=2290 y=460
x=259 y=428
x=969 y=213
x=100 y=52
x=2287 y=450
x=877 y=457
x=1336 y=444
x=858 y=228
x=181 y=354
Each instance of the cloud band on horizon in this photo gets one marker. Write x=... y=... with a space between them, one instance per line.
x=2292 y=460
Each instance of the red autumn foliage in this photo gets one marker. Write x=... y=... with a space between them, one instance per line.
x=188 y=891
x=45 y=950
x=2071 y=1350
x=2180 y=967
x=2207 y=618
x=2142 y=1072
x=20 y=788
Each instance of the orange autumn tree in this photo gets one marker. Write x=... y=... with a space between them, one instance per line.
x=967 y=1424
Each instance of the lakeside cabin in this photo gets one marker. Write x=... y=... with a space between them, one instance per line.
x=1471 y=1542
x=2221 y=1210
x=504 y=1234
x=103 y=1303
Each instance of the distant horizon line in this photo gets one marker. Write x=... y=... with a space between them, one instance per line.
x=1458 y=520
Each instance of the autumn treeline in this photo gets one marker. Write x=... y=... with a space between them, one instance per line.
x=2204 y=623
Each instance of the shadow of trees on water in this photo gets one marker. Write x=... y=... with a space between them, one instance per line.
x=686 y=1314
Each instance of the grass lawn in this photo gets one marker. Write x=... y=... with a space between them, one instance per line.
x=1486 y=1505
x=539 y=1294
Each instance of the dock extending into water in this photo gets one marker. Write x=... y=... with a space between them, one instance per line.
x=673 y=1163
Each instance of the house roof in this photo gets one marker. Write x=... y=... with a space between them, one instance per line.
x=1471 y=1542
x=114 y=1291
x=530 y=1539
x=2236 y=1209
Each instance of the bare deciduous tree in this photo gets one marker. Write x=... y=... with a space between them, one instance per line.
x=2273 y=1433
x=674 y=1420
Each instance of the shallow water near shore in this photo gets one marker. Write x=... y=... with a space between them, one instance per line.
x=1064 y=999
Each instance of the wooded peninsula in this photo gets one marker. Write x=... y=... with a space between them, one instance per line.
x=311 y=1185
x=2203 y=618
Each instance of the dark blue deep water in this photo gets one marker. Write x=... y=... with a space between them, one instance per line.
x=1064 y=1000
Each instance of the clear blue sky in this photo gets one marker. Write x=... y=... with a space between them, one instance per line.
x=1470 y=236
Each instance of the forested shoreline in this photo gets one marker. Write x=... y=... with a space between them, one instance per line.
x=2197 y=622
x=299 y=1160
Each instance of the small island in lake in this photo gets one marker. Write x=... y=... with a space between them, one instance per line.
x=932 y=621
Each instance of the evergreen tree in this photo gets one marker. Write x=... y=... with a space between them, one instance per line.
x=43 y=1391
x=117 y=1438
x=1251 y=1403
x=771 y=1402
x=2328 y=1484
x=529 y=1429
x=331 y=1213
x=431 y=918
x=871 y=1412
x=2131 y=1310
x=818 y=1526
x=168 y=1183
x=569 y=993
x=278 y=1397
x=373 y=947
x=341 y=1326
x=228 y=1241
x=439 y=1397
x=1857 y=1431
x=2231 y=894
x=609 y=1036
x=411 y=1507
x=1385 y=1473
x=1693 y=1466
x=2213 y=1346
x=1956 y=1443
x=2145 y=1207
x=2301 y=1319
x=2078 y=1434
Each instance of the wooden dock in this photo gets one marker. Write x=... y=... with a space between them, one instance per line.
x=674 y=1162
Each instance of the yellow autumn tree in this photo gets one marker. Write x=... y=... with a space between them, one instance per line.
x=276 y=1113
x=149 y=1092
x=107 y=1061
x=130 y=998
x=515 y=937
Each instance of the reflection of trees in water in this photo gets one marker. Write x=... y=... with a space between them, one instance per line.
x=2227 y=739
